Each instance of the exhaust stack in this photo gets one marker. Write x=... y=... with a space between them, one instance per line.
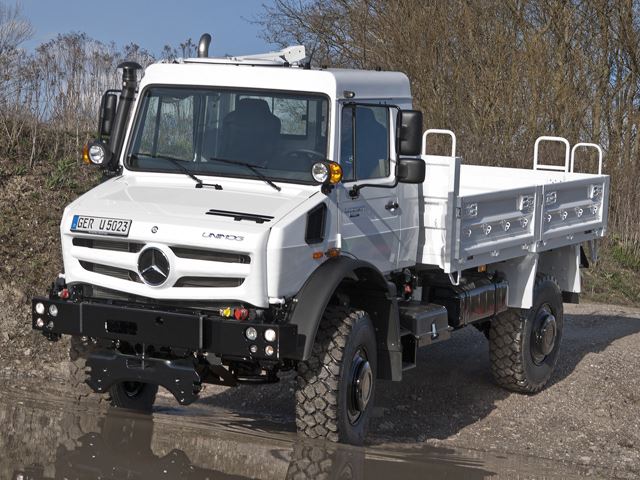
x=203 y=45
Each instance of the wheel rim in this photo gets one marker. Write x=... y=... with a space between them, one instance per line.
x=544 y=334
x=132 y=389
x=360 y=385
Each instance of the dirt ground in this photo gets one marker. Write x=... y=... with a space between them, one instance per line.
x=589 y=416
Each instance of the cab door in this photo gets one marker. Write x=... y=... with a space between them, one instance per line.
x=369 y=221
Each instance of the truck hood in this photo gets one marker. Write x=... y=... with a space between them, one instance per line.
x=218 y=255
x=244 y=206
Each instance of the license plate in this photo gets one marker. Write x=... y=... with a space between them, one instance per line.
x=100 y=225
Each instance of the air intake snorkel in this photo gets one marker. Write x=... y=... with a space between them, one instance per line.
x=127 y=96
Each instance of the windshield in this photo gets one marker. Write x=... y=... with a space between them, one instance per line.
x=219 y=131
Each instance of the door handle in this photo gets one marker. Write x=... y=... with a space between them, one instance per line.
x=392 y=205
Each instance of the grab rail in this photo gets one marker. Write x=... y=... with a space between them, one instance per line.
x=442 y=132
x=557 y=168
x=586 y=145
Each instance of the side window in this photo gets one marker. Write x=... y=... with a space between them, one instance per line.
x=364 y=142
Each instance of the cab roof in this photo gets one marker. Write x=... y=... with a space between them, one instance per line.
x=366 y=84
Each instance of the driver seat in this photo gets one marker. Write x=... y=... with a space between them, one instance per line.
x=251 y=133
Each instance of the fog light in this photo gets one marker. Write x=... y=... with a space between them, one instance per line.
x=39 y=323
x=251 y=333
x=53 y=310
x=269 y=350
x=40 y=308
x=270 y=335
x=253 y=348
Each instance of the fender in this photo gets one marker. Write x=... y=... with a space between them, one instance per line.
x=368 y=290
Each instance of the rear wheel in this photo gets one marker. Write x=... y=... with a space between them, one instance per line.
x=524 y=344
x=336 y=386
x=134 y=396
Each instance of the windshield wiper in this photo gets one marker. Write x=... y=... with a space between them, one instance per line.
x=250 y=166
x=183 y=169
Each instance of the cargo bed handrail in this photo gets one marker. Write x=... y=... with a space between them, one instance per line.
x=557 y=168
x=586 y=145
x=442 y=132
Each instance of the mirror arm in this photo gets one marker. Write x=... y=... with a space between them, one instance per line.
x=355 y=190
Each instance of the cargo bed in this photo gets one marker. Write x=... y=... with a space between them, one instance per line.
x=476 y=215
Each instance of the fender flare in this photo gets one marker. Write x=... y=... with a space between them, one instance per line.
x=314 y=296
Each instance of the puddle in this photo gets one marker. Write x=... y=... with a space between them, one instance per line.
x=49 y=438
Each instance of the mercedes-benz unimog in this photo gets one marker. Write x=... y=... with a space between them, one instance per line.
x=259 y=216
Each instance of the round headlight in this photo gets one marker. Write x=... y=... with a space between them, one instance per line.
x=320 y=172
x=270 y=335
x=40 y=308
x=97 y=153
x=53 y=310
x=251 y=333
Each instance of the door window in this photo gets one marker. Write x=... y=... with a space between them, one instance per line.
x=364 y=142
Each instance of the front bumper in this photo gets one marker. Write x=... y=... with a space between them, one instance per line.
x=162 y=328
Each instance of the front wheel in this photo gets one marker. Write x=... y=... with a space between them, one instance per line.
x=524 y=344
x=134 y=396
x=336 y=385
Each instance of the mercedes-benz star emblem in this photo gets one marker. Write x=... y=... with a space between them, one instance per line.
x=153 y=266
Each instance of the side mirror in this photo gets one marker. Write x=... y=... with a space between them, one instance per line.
x=409 y=132
x=411 y=170
x=108 y=107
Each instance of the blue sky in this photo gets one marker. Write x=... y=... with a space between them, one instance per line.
x=151 y=23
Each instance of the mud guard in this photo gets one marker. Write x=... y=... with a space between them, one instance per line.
x=367 y=289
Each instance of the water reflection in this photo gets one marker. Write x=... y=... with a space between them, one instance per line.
x=51 y=443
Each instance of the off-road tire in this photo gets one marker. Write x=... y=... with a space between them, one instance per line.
x=323 y=383
x=140 y=399
x=510 y=338
x=79 y=350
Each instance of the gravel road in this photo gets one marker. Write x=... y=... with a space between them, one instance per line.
x=588 y=416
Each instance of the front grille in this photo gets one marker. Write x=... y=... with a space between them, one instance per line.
x=210 y=255
x=101 y=293
x=213 y=276
x=209 y=282
x=113 y=245
x=115 y=272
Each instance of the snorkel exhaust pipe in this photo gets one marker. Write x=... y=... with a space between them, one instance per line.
x=127 y=96
x=203 y=45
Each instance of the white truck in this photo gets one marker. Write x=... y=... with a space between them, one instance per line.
x=259 y=216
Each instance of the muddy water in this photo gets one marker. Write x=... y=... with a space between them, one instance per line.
x=49 y=438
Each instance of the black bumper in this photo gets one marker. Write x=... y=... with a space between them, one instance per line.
x=162 y=328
